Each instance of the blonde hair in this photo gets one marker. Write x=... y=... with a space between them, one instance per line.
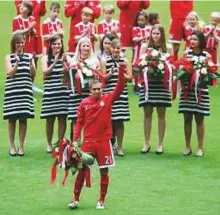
x=199 y=24
x=76 y=57
x=87 y=10
x=109 y=8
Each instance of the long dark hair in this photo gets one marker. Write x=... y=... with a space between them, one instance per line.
x=108 y=36
x=140 y=13
x=50 y=51
x=163 y=45
x=153 y=18
x=15 y=38
x=201 y=38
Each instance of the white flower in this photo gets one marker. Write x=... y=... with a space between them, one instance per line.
x=87 y=72
x=163 y=58
x=143 y=62
x=195 y=59
x=143 y=56
x=154 y=53
x=202 y=58
x=160 y=66
x=204 y=71
x=210 y=63
x=162 y=72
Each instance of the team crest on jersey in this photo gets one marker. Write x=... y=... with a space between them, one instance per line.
x=101 y=103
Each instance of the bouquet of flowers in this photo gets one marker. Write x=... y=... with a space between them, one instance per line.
x=154 y=62
x=197 y=72
x=69 y=157
x=205 y=71
x=80 y=74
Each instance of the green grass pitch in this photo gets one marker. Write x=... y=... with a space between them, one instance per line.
x=140 y=184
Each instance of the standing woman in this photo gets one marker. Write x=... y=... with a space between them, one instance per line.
x=18 y=101
x=158 y=96
x=120 y=108
x=190 y=107
x=55 y=96
x=83 y=54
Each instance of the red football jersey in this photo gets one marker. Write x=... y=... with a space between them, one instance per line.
x=49 y=28
x=39 y=9
x=188 y=30
x=90 y=28
x=94 y=115
x=105 y=28
x=19 y=23
x=211 y=41
x=73 y=9
x=180 y=9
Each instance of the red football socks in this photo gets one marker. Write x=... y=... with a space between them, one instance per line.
x=78 y=184
x=103 y=187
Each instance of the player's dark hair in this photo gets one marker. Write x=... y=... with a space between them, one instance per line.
x=201 y=37
x=140 y=13
x=93 y=81
x=15 y=39
x=50 y=51
x=54 y=5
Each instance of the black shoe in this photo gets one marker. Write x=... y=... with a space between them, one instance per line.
x=159 y=153
x=20 y=154
x=145 y=151
x=187 y=153
x=12 y=154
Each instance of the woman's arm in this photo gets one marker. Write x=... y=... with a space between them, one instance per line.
x=128 y=74
x=32 y=67
x=103 y=69
x=47 y=70
x=9 y=69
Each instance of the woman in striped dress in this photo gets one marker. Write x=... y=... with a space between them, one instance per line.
x=158 y=96
x=120 y=108
x=55 y=96
x=190 y=106
x=18 y=100
x=84 y=52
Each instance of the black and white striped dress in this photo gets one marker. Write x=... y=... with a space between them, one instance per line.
x=74 y=102
x=190 y=104
x=158 y=95
x=56 y=95
x=120 y=108
x=18 y=100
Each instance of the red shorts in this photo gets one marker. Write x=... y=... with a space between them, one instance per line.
x=126 y=36
x=71 y=46
x=102 y=151
x=176 y=30
x=38 y=46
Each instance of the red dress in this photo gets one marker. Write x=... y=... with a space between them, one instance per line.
x=39 y=10
x=73 y=9
x=49 y=28
x=128 y=12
